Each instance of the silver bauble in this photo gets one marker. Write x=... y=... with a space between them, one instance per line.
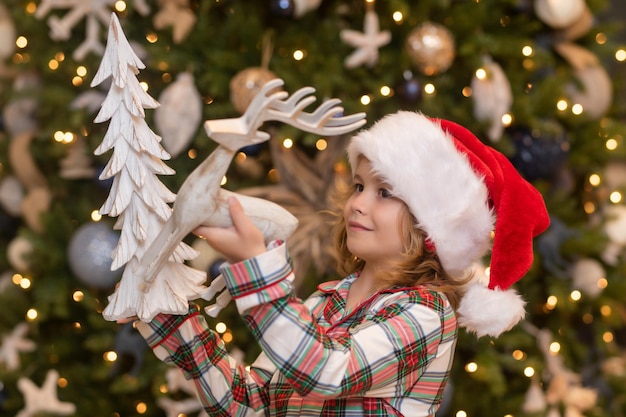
x=89 y=255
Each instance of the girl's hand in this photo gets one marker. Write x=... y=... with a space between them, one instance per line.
x=243 y=240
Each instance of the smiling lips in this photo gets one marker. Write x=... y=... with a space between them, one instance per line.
x=356 y=226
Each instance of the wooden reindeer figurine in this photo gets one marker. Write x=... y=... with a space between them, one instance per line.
x=201 y=201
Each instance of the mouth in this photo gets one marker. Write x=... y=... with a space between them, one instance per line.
x=356 y=226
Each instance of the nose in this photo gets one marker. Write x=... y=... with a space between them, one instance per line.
x=358 y=203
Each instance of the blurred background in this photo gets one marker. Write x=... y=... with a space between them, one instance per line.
x=542 y=81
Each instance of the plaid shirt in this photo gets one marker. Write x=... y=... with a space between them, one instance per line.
x=390 y=356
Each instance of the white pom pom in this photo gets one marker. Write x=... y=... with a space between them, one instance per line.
x=490 y=312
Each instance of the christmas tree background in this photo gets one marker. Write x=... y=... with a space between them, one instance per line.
x=541 y=81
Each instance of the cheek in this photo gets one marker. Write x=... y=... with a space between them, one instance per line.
x=347 y=209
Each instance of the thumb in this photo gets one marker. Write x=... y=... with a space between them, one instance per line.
x=239 y=218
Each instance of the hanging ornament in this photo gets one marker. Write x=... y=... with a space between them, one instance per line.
x=176 y=14
x=8 y=34
x=549 y=246
x=246 y=84
x=89 y=255
x=431 y=48
x=523 y=6
x=558 y=13
x=38 y=196
x=214 y=269
x=104 y=183
x=18 y=253
x=11 y=195
x=586 y=275
x=130 y=347
x=492 y=97
x=77 y=164
x=410 y=88
x=35 y=204
x=614 y=176
x=19 y=114
x=539 y=155
x=43 y=400
x=282 y=8
x=535 y=399
x=178 y=117
x=367 y=42
x=615 y=229
x=579 y=399
x=13 y=344
x=176 y=383
x=95 y=13
x=579 y=28
x=302 y=7
x=595 y=92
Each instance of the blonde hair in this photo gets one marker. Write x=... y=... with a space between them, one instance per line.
x=419 y=266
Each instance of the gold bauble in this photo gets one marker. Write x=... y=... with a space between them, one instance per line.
x=431 y=48
x=246 y=84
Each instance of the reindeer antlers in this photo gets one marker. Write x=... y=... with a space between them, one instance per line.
x=325 y=120
x=278 y=106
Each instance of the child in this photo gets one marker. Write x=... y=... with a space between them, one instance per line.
x=427 y=197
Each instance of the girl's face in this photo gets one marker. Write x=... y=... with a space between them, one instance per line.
x=372 y=218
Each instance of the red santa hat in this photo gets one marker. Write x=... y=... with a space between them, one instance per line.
x=468 y=198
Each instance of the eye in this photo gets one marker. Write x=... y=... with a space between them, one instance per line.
x=358 y=187
x=385 y=193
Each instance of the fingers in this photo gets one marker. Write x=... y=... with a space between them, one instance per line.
x=241 y=221
x=243 y=240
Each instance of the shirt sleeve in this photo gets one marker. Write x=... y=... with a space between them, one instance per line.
x=384 y=356
x=225 y=388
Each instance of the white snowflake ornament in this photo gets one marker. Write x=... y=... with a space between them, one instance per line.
x=43 y=400
x=178 y=15
x=13 y=344
x=96 y=14
x=366 y=43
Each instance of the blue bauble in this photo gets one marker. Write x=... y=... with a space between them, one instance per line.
x=410 y=90
x=106 y=184
x=539 y=155
x=214 y=268
x=252 y=150
x=283 y=8
x=89 y=255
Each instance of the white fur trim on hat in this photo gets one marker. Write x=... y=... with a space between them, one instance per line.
x=420 y=162
x=490 y=312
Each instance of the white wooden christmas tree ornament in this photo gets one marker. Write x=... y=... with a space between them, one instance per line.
x=137 y=198
x=155 y=279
